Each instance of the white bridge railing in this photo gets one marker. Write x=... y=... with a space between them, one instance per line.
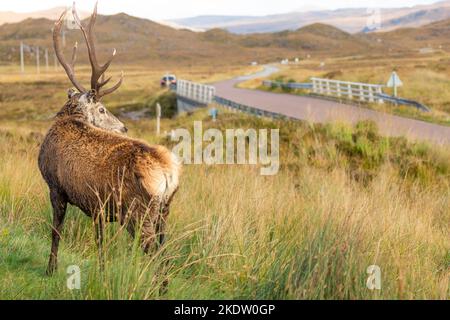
x=350 y=90
x=195 y=91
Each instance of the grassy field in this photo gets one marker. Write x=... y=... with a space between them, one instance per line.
x=290 y=236
x=344 y=199
x=31 y=97
x=425 y=79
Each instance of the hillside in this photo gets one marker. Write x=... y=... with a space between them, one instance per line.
x=313 y=38
x=146 y=41
x=435 y=36
x=135 y=40
x=150 y=43
x=418 y=18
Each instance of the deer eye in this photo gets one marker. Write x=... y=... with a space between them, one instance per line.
x=102 y=110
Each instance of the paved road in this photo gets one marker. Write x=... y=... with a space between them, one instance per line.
x=321 y=111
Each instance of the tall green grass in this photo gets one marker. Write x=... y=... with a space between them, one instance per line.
x=345 y=199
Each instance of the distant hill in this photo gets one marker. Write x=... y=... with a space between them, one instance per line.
x=434 y=36
x=210 y=22
x=141 y=41
x=312 y=38
x=146 y=41
x=135 y=40
x=350 y=20
x=419 y=18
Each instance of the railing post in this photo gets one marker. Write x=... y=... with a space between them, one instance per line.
x=202 y=94
x=328 y=87
x=379 y=91
x=338 y=87
x=314 y=81
x=361 y=93
x=371 y=94
x=350 y=91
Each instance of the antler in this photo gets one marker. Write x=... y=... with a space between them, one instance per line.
x=98 y=71
x=68 y=67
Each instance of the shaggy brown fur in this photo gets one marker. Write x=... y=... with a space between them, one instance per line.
x=108 y=176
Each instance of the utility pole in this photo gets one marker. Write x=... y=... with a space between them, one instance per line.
x=38 y=65
x=22 y=62
x=46 y=60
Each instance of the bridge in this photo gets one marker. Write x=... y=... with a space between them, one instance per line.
x=319 y=110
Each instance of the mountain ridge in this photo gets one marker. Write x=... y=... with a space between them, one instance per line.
x=352 y=20
x=148 y=42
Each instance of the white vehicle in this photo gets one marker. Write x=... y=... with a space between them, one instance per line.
x=168 y=80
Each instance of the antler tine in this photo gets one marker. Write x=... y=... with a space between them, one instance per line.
x=103 y=82
x=87 y=38
x=112 y=89
x=59 y=54
x=92 y=21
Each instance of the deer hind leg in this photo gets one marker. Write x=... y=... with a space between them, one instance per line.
x=59 y=204
x=148 y=235
x=99 y=224
x=144 y=229
x=162 y=219
x=160 y=230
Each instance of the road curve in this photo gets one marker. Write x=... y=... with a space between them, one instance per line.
x=322 y=111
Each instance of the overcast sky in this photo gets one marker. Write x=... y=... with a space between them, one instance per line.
x=169 y=9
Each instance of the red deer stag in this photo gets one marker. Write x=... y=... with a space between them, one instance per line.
x=88 y=162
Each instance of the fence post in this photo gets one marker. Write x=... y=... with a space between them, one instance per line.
x=22 y=62
x=371 y=94
x=379 y=91
x=46 y=60
x=38 y=65
x=338 y=87
x=361 y=93
x=350 y=91
x=328 y=87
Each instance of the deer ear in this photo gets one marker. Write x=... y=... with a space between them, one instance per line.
x=91 y=95
x=71 y=93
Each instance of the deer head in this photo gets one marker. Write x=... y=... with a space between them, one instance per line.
x=87 y=102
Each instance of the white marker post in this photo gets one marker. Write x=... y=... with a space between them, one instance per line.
x=38 y=63
x=158 y=119
x=394 y=82
x=46 y=60
x=22 y=61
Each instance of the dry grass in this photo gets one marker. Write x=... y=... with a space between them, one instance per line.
x=31 y=96
x=309 y=232
x=344 y=199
